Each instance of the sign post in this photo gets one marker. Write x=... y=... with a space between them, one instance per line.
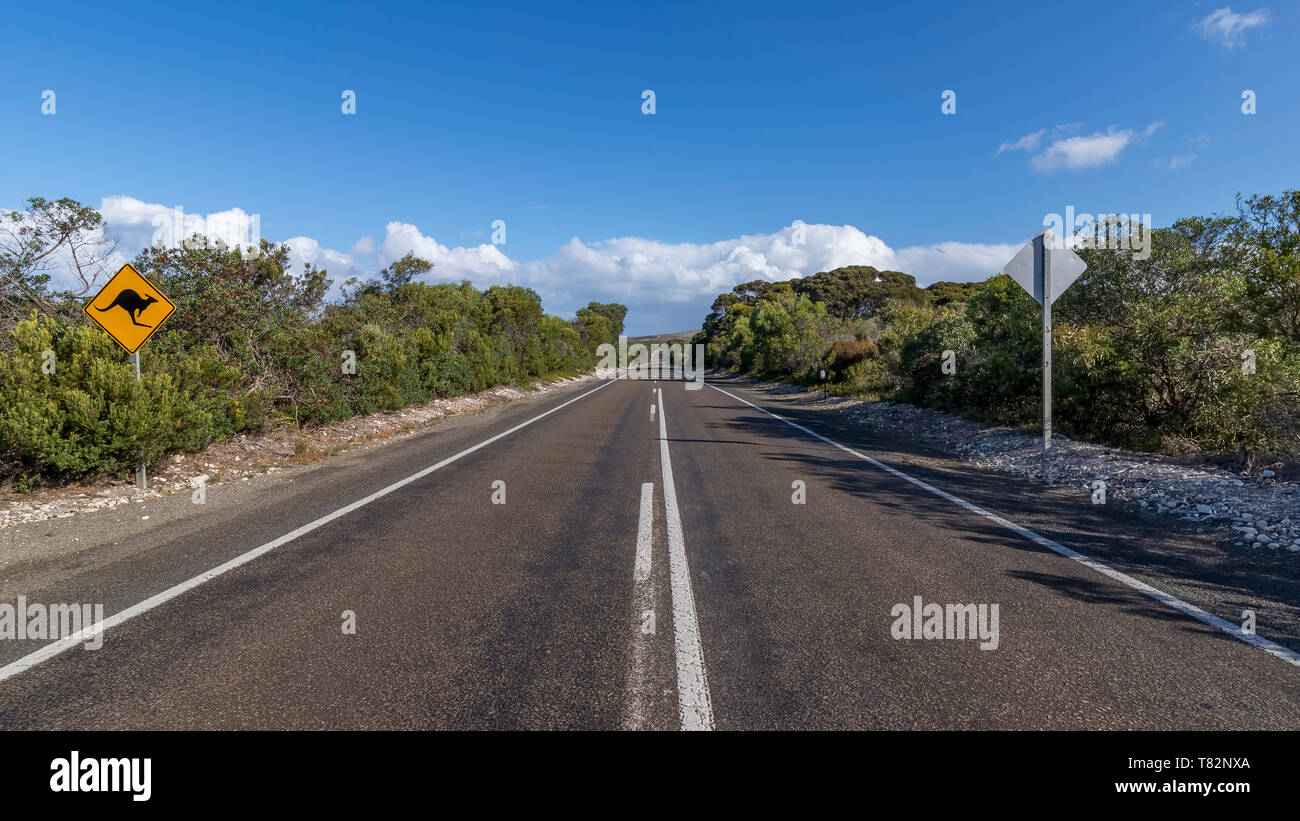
x=1045 y=271
x=1047 y=343
x=121 y=308
x=141 y=479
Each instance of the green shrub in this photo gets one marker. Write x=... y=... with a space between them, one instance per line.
x=91 y=416
x=251 y=345
x=1147 y=352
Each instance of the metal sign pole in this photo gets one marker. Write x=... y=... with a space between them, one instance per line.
x=141 y=480
x=1047 y=340
x=1031 y=268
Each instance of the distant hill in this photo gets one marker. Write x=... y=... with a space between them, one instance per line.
x=647 y=340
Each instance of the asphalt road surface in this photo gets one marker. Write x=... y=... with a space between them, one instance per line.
x=626 y=554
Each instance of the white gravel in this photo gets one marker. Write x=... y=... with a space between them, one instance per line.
x=1253 y=511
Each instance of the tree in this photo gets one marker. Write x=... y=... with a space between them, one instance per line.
x=953 y=293
x=391 y=279
x=600 y=323
x=789 y=334
x=222 y=294
x=1267 y=237
x=48 y=237
x=858 y=291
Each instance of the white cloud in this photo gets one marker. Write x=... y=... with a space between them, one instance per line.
x=636 y=269
x=667 y=286
x=1029 y=142
x=140 y=223
x=954 y=261
x=684 y=271
x=1228 y=28
x=477 y=263
x=673 y=283
x=129 y=212
x=1176 y=162
x=309 y=250
x=1090 y=151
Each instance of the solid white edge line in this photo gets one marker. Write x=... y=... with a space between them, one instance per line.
x=694 y=703
x=1271 y=647
x=54 y=648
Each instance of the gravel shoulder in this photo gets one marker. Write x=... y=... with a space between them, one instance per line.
x=1249 y=510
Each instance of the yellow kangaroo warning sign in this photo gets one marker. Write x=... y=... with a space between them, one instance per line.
x=129 y=308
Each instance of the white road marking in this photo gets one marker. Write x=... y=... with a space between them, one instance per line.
x=693 y=700
x=641 y=681
x=54 y=648
x=1255 y=640
x=644 y=532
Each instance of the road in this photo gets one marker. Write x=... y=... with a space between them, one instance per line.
x=644 y=566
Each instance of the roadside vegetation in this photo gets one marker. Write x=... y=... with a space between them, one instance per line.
x=251 y=345
x=1195 y=349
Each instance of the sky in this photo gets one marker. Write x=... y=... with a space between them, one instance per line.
x=785 y=139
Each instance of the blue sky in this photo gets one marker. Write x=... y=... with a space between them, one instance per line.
x=765 y=114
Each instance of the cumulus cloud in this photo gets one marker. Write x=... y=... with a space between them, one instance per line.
x=479 y=262
x=309 y=250
x=672 y=284
x=140 y=223
x=684 y=271
x=1227 y=28
x=1078 y=152
x=954 y=261
x=667 y=285
x=128 y=212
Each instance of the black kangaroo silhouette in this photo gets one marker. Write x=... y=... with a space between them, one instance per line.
x=132 y=303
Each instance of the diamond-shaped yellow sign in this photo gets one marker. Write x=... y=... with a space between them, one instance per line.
x=129 y=308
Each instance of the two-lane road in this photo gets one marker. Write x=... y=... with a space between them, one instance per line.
x=628 y=554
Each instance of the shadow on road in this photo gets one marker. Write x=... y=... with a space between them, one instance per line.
x=1177 y=557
